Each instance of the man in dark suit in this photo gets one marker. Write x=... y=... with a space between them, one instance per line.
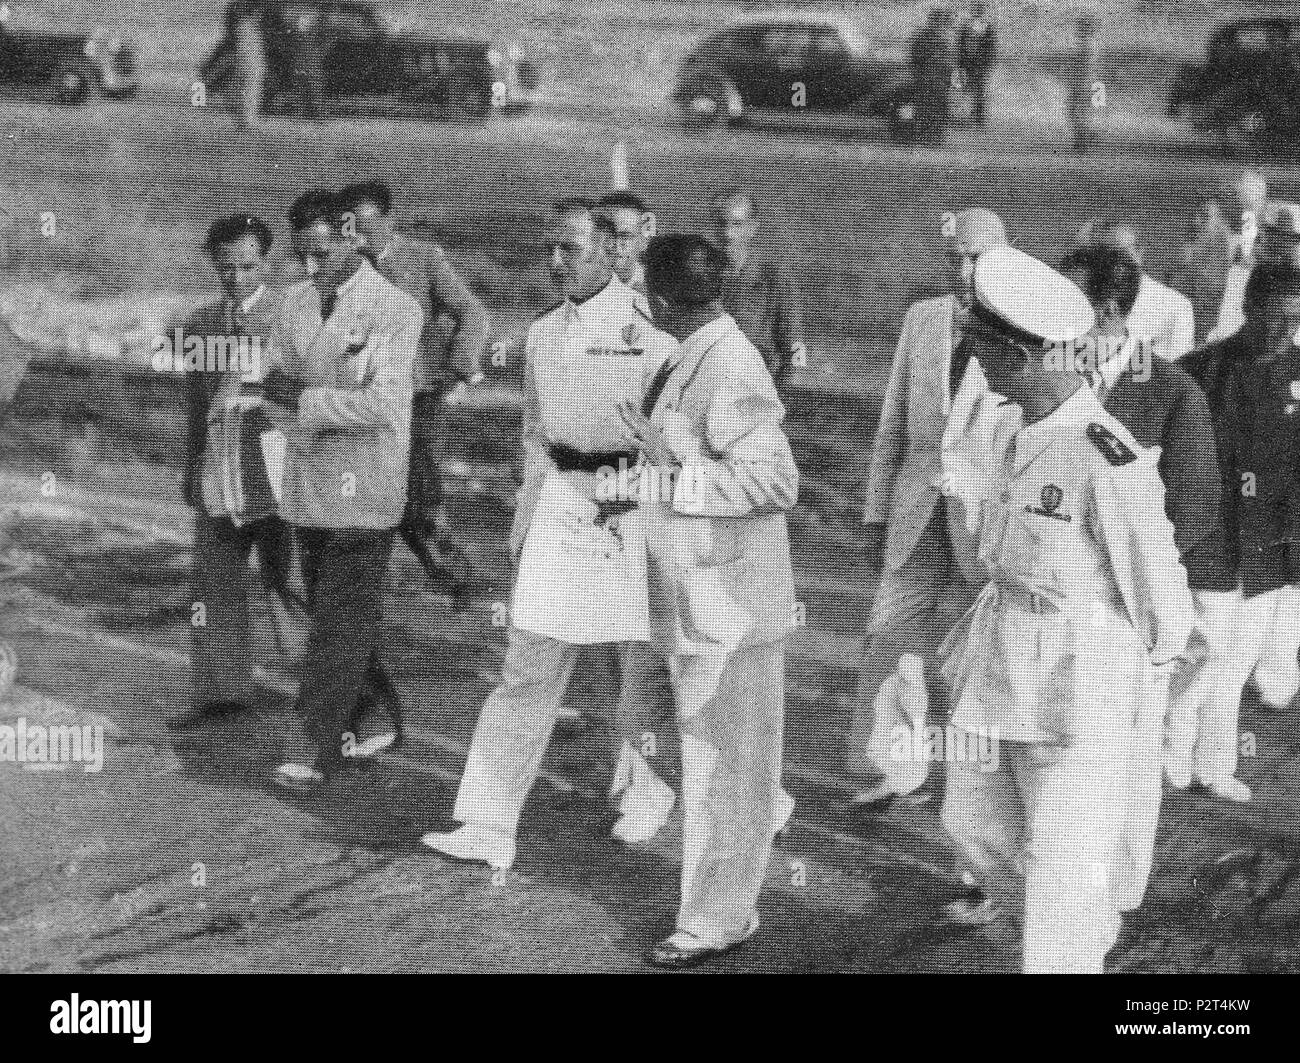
x=226 y=477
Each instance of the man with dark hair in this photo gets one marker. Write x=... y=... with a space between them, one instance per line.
x=347 y=339
x=719 y=478
x=228 y=479
x=634 y=226
x=1085 y=588
x=1162 y=407
x=1252 y=382
x=977 y=51
x=445 y=361
x=758 y=294
x=1161 y=317
x=578 y=539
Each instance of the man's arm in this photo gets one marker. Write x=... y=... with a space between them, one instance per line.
x=891 y=431
x=1182 y=337
x=382 y=401
x=450 y=295
x=787 y=320
x=537 y=458
x=1129 y=520
x=754 y=472
x=1189 y=468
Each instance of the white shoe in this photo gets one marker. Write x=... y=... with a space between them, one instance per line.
x=474 y=844
x=645 y=807
x=1277 y=686
x=1229 y=789
x=782 y=812
x=875 y=795
x=372 y=746
x=293 y=774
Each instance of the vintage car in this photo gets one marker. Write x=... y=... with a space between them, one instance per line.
x=792 y=64
x=1248 y=88
x=66 y=68
x=370 y=67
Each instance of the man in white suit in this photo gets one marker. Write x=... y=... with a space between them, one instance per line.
x=929 y=573
x=1162 y=317
x=717 y=481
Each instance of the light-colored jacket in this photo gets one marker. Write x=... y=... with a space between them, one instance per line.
x=346 y=459
x=719 y=549
x=903 y=484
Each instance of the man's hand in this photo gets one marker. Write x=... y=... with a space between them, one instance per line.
x=647 y=437
x=282 y=389
x=874 y=546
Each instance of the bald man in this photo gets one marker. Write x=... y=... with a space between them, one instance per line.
x=917 y=540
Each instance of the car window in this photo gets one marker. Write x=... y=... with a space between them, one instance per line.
x=827 y=42
x=788 y=41
x=1253 y=39
x=353 y=22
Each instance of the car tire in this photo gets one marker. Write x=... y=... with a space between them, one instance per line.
x=468 y=100
x=708 y=102
x=70 y=84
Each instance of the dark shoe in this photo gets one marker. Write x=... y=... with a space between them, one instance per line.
x=683 y=950
x=212 y=712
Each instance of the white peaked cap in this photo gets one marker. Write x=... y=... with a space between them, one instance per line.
x=1026 y=298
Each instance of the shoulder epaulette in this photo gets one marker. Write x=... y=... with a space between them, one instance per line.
x=1111 y=446
x=637 y=307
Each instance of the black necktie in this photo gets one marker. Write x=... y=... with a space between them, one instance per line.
x=327 y=303
x=656 y=387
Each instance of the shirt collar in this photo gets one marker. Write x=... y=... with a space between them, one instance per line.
x=706 y=335
x=355 y=279
x=1118 y=358
x=247 y=304
x=1034 y=438
x=594 y=302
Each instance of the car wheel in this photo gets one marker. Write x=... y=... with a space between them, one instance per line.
x=708 y=102
x=468 y=99
x=902 y=121
x=70 y=84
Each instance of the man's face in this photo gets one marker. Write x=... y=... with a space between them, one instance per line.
x=1001 y=360
x=373 y=228
x=734 y=227
x=577 y=255
x=241 y=267
x=631 y=234
x=961 y=273
x=327 y=256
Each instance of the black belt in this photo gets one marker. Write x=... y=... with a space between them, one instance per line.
x=567 y=459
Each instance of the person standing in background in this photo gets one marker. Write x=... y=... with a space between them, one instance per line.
x=246 y=18
x=1201 y=273
x=934 y=63
x=1249 y=194
x=306 y=46
x=1162 y=317
x=228 y=480
x=1085 y=93
x=634 y=227
x=977 y=52
x=442 y=365
x=757 y=293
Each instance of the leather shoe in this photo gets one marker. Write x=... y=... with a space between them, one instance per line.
x=683 y=949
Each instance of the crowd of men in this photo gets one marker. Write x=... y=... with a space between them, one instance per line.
x=1083 y=526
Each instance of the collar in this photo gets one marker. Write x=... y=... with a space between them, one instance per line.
x=1078 y=409
x=594 y=303
x=246 y=305
x=1111 y=368
x=707 y=335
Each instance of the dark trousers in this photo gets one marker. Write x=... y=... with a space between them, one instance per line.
x=422 y=522
x=219 y=583
x=343 y=676
x=979 y=85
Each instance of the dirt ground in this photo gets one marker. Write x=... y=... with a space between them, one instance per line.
x=179 y=855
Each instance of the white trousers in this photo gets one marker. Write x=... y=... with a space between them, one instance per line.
x=1041 y=831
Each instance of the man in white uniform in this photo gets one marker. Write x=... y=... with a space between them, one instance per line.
x=1085 y=586
x=581 y=557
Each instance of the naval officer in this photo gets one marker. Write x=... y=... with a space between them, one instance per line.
x=1086 y=586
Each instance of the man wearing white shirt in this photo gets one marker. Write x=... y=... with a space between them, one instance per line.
x=1162 y=317
x=1251 y=194
x=581 y=556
